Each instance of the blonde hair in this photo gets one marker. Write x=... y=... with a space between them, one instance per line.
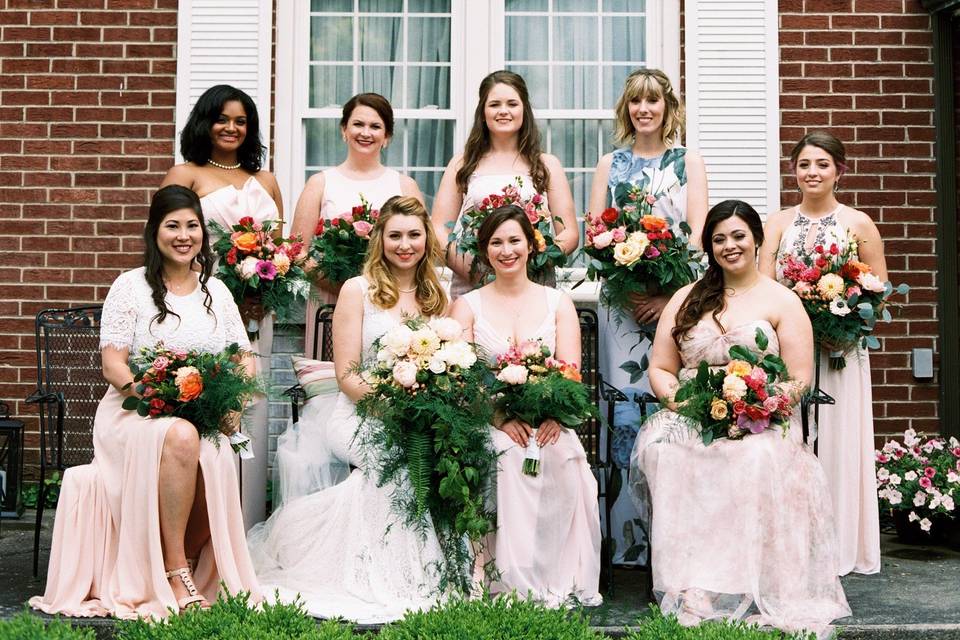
x=649 y=83
x=431 y=298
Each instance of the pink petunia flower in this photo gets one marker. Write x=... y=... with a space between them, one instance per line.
x=925 y=482
x=929 y=472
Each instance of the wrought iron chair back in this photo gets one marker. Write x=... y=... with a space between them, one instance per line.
x=70 y=385
x=322 y=350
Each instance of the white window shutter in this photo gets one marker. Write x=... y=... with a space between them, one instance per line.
x=224 y=42
x=733 y=111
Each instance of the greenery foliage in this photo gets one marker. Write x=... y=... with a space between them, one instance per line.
x=661 y=627
x=339 y=245
x=31 y=493
x=27 y=626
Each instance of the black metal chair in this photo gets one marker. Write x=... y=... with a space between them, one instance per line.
x=70 y=385
x=322 y=347
x=814 y=397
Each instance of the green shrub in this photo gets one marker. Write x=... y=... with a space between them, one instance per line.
x=486 y=619
x=27 y=626
x=231 y=618
x=660 y=627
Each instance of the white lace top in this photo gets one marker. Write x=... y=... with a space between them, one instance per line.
x=128 y=313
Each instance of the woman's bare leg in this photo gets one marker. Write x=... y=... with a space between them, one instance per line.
x=179 y=464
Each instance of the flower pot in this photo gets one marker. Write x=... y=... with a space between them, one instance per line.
x=943 y=531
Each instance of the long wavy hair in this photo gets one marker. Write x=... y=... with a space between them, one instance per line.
x=167 y=200
x=528 y=142
x=195 y=142
x=493 y=221
x=706 y=296
x=649 y=83
x=431 y=298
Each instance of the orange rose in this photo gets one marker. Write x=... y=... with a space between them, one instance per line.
x=246 y=242
x=190 y=384
x=653 y=223
x=571 y=372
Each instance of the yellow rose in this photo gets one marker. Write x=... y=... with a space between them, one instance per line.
x=626 y=253
x=718 y=409
x=739 y=368
x=246 y=242
x=640 y=239
x=830 y=286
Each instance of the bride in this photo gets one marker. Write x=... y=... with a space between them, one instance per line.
x=342 y=548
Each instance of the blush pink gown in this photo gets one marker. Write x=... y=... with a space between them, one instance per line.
x=739 y=528
x=106 y=557
x=547 y=542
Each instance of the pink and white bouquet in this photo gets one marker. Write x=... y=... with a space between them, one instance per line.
x=339 y=245
x=920 y=475
x=748 y=396
x=842 y=296
x=531 y=385
x=549 y=254
x=259 y=267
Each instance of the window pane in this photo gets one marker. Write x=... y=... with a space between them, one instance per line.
x=429 y=183
x=576 y=5
x=331 y=5
x=429 y=40
x=575 y=38
x=381 y=6
x=526 y=5
x=324 y=145
x=613 y=78
x=331 y=39
x=633 y=6
x=624 y=39
x=428 y=87
x=383 y=80
x=519 y=44
x=575 y=142
x=381 y=39
x=429 y=6
x=429 y=143
x=575 y=88
x=330 y=86
x=537 y=87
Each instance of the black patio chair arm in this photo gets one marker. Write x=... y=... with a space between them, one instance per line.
x=45 y=397
x=610 y=393
x=817 y=396
x=295 y=393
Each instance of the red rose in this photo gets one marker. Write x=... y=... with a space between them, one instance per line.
x=609 y=215
x=834 y=249
x=245 y=221
x=756 y=413
x=739 y=407
x=818 y=248
x=232 y=256
x=334 y=222
x=319 y=230
x=357 y=211
x=157 y=403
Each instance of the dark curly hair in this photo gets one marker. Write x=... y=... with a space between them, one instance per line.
x=195 y=143
x=168 y=199
x=493 y=221
x=706 y=296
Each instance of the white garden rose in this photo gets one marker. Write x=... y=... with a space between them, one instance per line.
x=247 y=267
x=437 y=365
x=870 y=282
x=386 y=357
x=424 y=341
x=734 y=388
x=513 y=374
x=397 y=340
x=446 y=328
x=405 y=373
x=458 y=354
x=626 y=253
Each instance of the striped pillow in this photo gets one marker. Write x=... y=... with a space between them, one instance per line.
x=315 y=376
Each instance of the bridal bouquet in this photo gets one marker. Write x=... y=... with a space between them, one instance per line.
x=532 y=386
x=842 y=296
x=427 y=418
x=202 y=388
x=340 y=244
x=549 y=254
x=750 y=395
x=258 y=267
x=920 y=475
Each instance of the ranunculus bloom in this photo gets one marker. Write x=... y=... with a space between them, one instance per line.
x=609 y=215
x=266 y=270
x=245 y=221
x=161 y=362
x=362 y=228
x=619 y=234
x=246 y=242
x=602 y=240
x=653 y=223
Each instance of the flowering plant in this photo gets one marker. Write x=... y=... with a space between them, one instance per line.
x=833 y=283
x=257 y=266
x=200 y=387
x=531 y=385
x=549 y=254
x=426 y=418
x=339 y=245
x=919 y=475
x=748 y=396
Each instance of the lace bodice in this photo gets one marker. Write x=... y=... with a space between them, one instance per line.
x=706 y=342
x=665 y=176
x=228 y=204
x=805 y=233
x=341 y=194
x=492 y=343
x=128 y=313
x=376 y=321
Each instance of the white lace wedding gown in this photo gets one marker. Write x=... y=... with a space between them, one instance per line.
x=343 y=549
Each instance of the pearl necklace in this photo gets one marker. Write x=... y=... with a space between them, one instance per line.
x=228 y=167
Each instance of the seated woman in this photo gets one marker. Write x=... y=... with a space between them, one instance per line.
x=343 y=549
x=547 y=543
x=153 y=524
x=739 y=526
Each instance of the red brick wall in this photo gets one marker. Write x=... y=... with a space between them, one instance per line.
x=863 y=70
x=86 y=132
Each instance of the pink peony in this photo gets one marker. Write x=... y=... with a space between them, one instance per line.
x=362 y=228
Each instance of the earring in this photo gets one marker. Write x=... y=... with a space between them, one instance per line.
x=836 y=186
x=798 y=189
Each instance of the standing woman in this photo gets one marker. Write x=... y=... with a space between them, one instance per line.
x=504 y=144
x=845 y=429
x=366 y=127
x=649 y=123
x=223 y=152
x=153 y=523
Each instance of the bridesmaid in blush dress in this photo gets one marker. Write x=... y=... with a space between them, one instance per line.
x=366 y=127
x=845 y=429
x=740 y=528
x=221 y=143
x=547 y=543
